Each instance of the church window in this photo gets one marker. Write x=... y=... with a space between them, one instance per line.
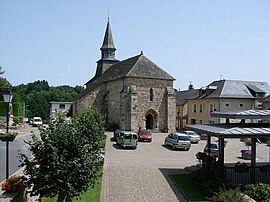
x=105 y=54
x=211 y=107
x=110 y=54
x=151 y=94
x=227 y=105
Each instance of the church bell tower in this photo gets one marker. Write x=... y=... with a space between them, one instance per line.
x=107 y=52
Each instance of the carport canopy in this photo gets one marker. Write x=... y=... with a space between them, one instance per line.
x=236 y=130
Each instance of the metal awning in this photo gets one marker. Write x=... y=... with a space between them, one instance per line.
x=248 y=114
x=233 y=130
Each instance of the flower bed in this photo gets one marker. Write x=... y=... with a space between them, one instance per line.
x=8 y=136
x=12 y=184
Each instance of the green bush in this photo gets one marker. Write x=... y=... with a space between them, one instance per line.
x=16 y=119
x=258 y=192
x=225 y=195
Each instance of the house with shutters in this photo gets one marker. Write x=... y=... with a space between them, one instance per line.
x=194 y=106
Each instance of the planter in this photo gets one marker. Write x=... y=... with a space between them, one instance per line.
x=246 y=156
x=5 y=138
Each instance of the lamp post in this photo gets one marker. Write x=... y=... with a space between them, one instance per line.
x=7 y=98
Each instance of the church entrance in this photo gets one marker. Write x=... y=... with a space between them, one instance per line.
x=151 y=119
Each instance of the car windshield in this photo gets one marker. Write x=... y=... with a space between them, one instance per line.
x=191 y=133
x=130 y=136
x=145 y=132
x=183 y=138
x=37 y=120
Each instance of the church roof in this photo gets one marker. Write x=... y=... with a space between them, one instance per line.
x=138 y=66
x=108 y=39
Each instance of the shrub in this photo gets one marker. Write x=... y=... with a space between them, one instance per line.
x=259 y=192
x=225 y=195
x=16 y=119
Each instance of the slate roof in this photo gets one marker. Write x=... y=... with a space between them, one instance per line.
x=108 y=39
x=182 y=96
x=237 y=89
x=267 y=99
x=138 y=66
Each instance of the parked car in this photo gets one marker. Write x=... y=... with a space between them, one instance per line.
x=178 y=141
x=127 y=139
x=213 y=149
x=116 y=134
x=37 y=122
x=144 y=135
x=194 y=137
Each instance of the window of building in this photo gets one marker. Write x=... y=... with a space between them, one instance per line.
x=105 y=54
x=227 y=105
x=201 y=108
x=200 y=121
x=211 y=107
x=241 y=105
x=195 y=108
x=151 y=94
x=61 y=106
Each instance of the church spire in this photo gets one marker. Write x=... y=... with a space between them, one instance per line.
x=108 y=48
x=107 y=52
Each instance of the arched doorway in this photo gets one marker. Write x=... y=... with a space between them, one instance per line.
x=149 y=121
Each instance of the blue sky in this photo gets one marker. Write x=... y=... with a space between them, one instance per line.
x=193 y=40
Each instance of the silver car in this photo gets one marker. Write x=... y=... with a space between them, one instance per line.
x=178 y=141
x=194 y=137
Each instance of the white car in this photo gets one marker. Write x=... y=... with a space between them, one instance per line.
x=37 y=121
x=178 y=141
x=194 y=137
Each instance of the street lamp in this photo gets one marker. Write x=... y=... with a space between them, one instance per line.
x=7 y=98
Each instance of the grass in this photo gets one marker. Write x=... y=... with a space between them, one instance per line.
x=92 y=195
x=185 y=183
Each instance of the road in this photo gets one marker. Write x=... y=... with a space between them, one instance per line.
x=143 y=174
x=15 y=147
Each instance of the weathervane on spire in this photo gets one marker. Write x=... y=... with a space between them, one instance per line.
x=108 y=15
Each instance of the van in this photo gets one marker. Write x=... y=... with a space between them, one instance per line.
x=127 y=139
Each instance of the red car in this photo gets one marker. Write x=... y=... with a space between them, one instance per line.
x=145 y=135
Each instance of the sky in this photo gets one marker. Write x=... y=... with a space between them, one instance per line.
x=196 y=41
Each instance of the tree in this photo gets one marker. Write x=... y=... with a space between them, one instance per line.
x=67 y=156
x=4 y=83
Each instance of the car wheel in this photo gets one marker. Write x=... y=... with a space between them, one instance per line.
x=174 y=148
x=187 y=149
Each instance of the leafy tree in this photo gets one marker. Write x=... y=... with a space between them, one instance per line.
x=4 y=83
x=66 y=157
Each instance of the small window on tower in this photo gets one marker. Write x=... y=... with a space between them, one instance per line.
x=151 y=94
x=105 y=54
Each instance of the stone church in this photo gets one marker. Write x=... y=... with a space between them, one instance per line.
x=132 y=93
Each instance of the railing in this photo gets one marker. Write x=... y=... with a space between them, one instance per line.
x=231 y=177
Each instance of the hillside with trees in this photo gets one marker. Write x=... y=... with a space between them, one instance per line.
x=33 y=99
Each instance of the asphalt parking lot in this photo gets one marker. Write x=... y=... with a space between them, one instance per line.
x=143 y=174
